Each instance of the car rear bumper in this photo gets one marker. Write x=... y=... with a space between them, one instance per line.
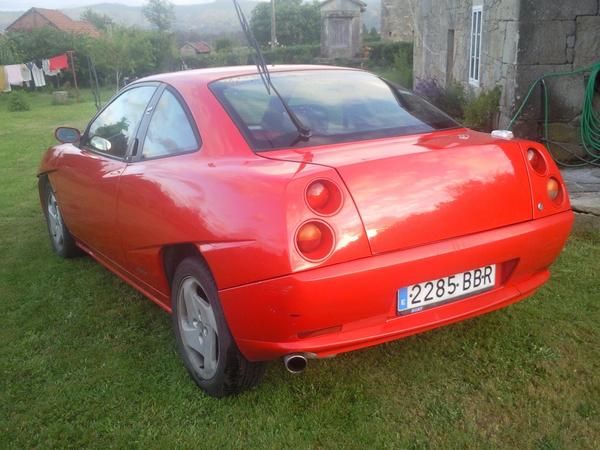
x=352 y=305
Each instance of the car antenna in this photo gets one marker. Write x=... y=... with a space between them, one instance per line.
x=304 y=132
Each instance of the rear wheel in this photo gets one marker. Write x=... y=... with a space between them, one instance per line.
x=203 y=337
x=61 y=239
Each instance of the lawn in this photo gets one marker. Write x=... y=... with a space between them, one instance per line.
x=86 y=361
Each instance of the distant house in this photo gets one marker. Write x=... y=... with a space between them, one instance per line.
x=482 y=44
x=36 y=18
x=194 y=48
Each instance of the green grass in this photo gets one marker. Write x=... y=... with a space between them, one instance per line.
x=85 y=361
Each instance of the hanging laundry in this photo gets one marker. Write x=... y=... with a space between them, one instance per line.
x=59 y=62
x=46 y=68
x=4 y=84
x=25 y=73
x=38 y=75
x=14 y=75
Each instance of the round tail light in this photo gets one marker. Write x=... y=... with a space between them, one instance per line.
x=323 y=197
x=314 y=240
x=553 y=188
x=536 y=161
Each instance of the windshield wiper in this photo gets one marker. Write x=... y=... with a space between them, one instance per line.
x=304 y=133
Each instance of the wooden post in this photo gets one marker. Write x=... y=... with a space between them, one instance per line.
x=70 y=53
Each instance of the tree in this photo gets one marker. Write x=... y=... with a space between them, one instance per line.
x=160 y=14
x=223 y=45
x=124 y=51
x=297 y=22
x=8 y=51
x=100 y=21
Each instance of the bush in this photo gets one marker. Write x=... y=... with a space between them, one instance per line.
x=383 y=54
x=17 y=102
x=480 y=113
x=297 y=54
x=476 y=111
x=403 y=63
x=452 y=100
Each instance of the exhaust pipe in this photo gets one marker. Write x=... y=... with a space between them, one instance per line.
x=295 y=362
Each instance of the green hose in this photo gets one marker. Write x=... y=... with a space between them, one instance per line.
x=590 y=119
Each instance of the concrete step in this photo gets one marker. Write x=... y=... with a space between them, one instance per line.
x=584 y=189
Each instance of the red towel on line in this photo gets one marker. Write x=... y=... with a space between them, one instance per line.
x=59 y=62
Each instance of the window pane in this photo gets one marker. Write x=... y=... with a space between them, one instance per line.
x=337 y=107
x=119 y=121
x=169 y=131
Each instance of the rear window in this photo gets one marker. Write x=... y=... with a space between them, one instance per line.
x=338 y=106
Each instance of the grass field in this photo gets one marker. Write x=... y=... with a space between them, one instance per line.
x=85 y=361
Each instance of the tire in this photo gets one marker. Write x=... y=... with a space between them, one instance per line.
x=204 y=341
x=61 y=239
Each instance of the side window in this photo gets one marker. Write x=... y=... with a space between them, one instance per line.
x=116 y=126
x=169 y=131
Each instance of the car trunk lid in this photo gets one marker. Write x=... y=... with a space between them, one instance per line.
x=419 y=189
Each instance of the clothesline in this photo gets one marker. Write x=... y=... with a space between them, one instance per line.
x=27 y=73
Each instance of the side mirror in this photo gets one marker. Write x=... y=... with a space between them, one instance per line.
x=99 y=143
x=67 y=135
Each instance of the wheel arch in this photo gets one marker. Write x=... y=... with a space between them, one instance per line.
x=43 y=181
x=173 y=254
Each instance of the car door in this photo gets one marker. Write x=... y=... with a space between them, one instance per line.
x=152 y=210
x=87 y=182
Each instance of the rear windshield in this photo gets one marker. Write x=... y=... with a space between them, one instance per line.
x=337 y=106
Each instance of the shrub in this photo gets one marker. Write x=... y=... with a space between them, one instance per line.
x=297 y=54
x=17 y=102
x=480 y=113
x=383 y=54
x=452 y=100
x=403 y=63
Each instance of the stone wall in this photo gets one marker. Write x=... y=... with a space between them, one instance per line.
x=442 y=44
x=521 y=41
x=556 y=36
x=397 y=20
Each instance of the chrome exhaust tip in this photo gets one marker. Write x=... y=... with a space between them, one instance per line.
x=295 y=362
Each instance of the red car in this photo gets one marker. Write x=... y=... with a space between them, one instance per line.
x=386 y=219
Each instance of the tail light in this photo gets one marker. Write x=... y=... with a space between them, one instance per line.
x=554 y=190
x=315 y=240
x=323 y=197
x=536 y=161
x=549 y=194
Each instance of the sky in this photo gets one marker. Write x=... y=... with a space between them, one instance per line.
x=21 y=5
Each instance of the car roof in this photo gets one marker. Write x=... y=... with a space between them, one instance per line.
x=205 y=76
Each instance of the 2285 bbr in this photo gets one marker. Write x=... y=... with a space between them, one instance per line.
x=446 y=288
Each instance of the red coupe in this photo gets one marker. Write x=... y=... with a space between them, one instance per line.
x=339 y=212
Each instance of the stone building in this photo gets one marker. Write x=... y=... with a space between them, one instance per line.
x=341 y=28
x=397 y=20
x=509 y=43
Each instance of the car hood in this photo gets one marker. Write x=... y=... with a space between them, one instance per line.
x=419 y=189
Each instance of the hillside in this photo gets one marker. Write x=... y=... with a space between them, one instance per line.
x=217 y=17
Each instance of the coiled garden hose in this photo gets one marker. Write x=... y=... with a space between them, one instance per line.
x=590 y=119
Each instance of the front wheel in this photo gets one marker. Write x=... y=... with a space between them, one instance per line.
x=203 y=337
x=61 y=239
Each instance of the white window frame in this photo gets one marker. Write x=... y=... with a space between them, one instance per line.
x=475 y=46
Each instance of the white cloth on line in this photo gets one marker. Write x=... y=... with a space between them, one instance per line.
x=38 y=75
x=25 y=73
x=14 y=75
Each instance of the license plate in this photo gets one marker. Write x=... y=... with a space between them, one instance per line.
x=422 y=295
